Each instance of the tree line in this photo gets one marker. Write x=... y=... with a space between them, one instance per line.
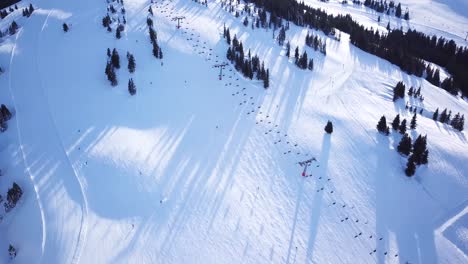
x=404 y=49
x=249 y=65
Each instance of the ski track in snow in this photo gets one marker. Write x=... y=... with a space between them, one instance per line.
x=23 y=155
x=84 y=223
x=81 y=236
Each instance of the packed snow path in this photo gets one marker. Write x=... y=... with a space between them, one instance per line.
x=58 y=187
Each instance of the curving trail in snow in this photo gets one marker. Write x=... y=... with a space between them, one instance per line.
x=58 y=188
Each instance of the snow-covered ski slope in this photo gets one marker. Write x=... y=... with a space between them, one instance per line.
x=193 y=169
x=447 y=18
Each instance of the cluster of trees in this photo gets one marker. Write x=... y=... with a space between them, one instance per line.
x=5 y=12
x=13 y=28
x=316 y=43
x=418 y=153
x=107 y=20
x=249 y=65
x=157 y=51
x=457 y=122
x=13 y=196
x=7 y=3
x=415 y=93
x=382 y=6
x=302 y=61
x=28 y=10
x=405 y=49
x=399 y=91
x=5 y=115
x=383 y=128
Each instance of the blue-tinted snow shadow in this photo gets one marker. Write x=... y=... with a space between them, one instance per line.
x=395 y=213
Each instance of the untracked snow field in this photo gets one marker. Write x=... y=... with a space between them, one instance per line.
x=194 y=169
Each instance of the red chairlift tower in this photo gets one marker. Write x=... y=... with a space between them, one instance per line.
x=305 y=164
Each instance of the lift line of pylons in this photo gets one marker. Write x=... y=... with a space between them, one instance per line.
x=221 y=67
x=178 y=18
x=305 y=164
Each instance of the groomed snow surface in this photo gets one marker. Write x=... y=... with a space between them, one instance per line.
x=193 y=169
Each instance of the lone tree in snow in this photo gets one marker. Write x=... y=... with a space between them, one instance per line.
x=131 y=63
x=329 y=127
x=131 y=87
x=12 y=251
x=65 y=27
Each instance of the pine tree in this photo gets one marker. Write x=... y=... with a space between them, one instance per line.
x=288 y=49
x=228 y=37
x=399 y=91
x=461 y=124
x=311 y=65
x=131 y=87
x=131 y=63
x=403 y=127
x=117 y=33
x=435 y=116
x=406 y=17
x=65 y=27
x=31 y=9
x=329 y=127
x=13 y=28
x=410 y=167
x=115 y=59
x=296 y=54
x=382 y=125
x=404 y=147
x=443 y=116
x=413 y=122
x=12 y=251
x=266 y=81
x=396 y=122
x=456 y=119
x=420 y=151
x=398 y=11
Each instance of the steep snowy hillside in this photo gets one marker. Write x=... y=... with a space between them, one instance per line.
x=447 y=18
x=198 y=169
